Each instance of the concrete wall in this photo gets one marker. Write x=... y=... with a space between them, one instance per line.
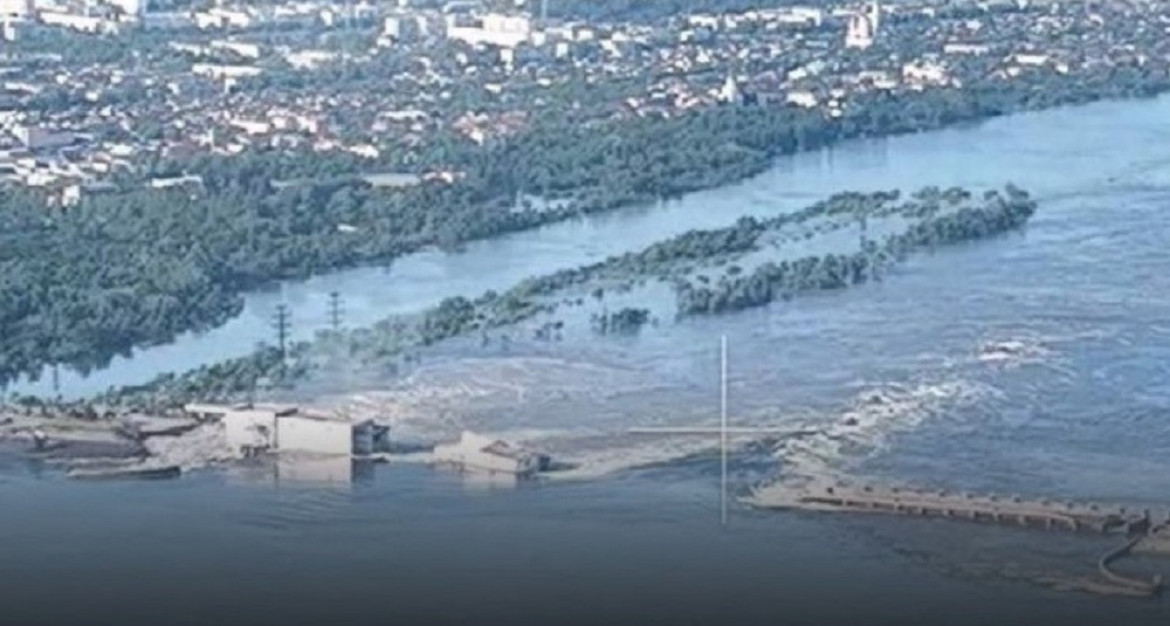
x=469 y=453
x=247 y=428
x=363 y=439
x=301 y=434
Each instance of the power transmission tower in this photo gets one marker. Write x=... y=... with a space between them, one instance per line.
x=335 y=311
x=282 y=323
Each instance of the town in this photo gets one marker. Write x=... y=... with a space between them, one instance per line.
x=120 y=95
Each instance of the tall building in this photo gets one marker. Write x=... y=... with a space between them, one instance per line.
x=863 y=27
x=506 y=31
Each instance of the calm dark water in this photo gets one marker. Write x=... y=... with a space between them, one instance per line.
x=412 y=546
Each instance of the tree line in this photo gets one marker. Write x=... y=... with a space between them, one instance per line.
x=998 y=214
x=135 y=269
x=938 y=216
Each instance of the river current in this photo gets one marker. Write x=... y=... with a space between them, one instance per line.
x=1034 y=363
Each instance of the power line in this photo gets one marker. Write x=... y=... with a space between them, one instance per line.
x=723 y=430
x=282 y=323
x=335 y=311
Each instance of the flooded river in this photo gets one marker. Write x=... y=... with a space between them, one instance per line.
x=1035 y=363
x=1109 y=148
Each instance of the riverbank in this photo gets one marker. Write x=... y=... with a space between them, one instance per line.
x=61 y=437
x=213 y=298
x=1031 y=364
x=493 y=316
x=111 y=444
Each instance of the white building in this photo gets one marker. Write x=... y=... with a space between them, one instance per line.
x=252 y=127
x=403 y=28
x=810 y=15
x=966 y=48
x=1033 y=59
x=476 y=452
x=249 y=428
x=225 y=71
x=730 y=92
x=16 y=8
x=805 y=99
x=222 y=18
x=310 y=59
x=505 y=31
x=166 y=20
x=863 y=27
x=80 y=23
x=925 y=73
x=171 y=182
x=859 y=33
x=11 y=28
x=244 y=49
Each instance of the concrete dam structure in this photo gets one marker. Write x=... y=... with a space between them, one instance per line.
x=1137 y=526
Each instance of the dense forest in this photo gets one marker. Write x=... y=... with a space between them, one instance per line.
x=936 y=217
x=133 y=269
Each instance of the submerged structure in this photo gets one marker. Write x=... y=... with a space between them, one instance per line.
x=483 y=454
x=1142 y=533
x=254 y=428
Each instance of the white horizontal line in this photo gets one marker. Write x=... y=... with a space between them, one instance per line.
x=713 y=430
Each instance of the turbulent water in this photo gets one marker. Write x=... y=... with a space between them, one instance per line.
x=1034 y=363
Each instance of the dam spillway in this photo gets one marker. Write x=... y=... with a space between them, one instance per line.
x=1142 y=534
x=1013 y=510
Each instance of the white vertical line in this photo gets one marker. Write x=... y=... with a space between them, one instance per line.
x=723 y=424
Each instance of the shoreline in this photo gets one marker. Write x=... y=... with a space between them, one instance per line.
x=1147 y=88
x=397 y=338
